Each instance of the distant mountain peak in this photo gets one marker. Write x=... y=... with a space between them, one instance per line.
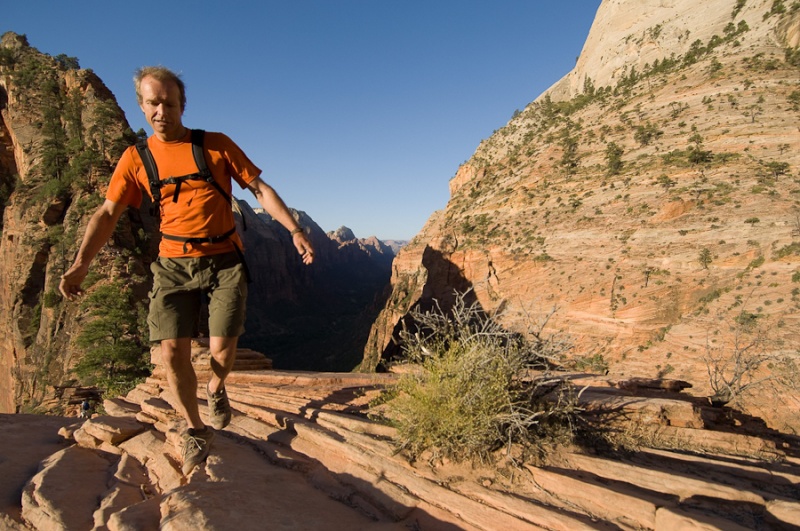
x=342 y=234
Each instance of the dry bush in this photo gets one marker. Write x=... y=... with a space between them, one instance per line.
x=744 y=357
x=473 y=393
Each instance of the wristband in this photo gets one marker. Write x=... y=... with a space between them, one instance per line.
x=295 y=231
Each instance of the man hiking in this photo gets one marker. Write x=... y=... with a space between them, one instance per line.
x=200 y=252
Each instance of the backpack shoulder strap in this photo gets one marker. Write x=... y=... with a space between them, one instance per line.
x=198 y=137
x=198 y=152
x=152 y=172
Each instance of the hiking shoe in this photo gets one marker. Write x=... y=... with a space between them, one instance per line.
x=219 y=409
x=196 y=445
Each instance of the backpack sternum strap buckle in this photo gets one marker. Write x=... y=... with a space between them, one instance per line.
x=178 y=181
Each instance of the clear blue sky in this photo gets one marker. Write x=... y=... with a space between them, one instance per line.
x=358 y=111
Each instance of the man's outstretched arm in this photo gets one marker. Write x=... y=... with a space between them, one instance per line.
x=98 y=231
x=268 y=198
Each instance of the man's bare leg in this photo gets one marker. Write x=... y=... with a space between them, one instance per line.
x=177 y=356
x=223 y=354
x=196 y=441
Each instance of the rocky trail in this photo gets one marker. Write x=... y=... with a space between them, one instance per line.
x=301 y=453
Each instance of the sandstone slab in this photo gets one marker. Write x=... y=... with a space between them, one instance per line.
x=113 y=430
x=26 y=440
x=51 y=501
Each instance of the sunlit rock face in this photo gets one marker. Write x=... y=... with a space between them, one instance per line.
x=648 y=198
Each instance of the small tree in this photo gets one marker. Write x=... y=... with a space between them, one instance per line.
x=105 y=117
x=614 y=158
x=645 y=134
x=778 y=168
x=705 y=257
x=569 y=143
x=114 y=356
x=753 y=111
x=665 y=182
x=794 y=100
x=696 y=153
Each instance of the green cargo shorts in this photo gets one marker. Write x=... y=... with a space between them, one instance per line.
x=179 y=285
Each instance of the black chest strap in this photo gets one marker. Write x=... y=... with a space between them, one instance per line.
x=202 y=174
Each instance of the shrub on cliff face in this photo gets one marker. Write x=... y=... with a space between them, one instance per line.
x=114 y=357
x=742 y=355
x=474 y=392
x=613 y=159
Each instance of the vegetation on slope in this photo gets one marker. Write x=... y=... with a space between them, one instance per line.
x=654 y=212
x=475 y=387
x=77 y=134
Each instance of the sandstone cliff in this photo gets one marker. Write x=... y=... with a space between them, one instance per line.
x=61 y=133
x=374 y=248
x=311 y=318
x=649 y=197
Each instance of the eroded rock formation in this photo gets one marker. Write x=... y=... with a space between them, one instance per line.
x=64 y=130
x=649 y=197
x=302 y=454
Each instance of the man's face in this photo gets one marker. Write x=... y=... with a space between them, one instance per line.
x=161 y=105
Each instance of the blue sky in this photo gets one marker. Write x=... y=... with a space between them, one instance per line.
x=358 y=111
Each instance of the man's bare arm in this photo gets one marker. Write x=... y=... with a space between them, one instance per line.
x=98 y=231
x=269 y=199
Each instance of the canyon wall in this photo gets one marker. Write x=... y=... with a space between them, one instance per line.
x=47 y=103
x=648 y=200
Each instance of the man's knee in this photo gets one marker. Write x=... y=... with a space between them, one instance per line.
x=176 y=352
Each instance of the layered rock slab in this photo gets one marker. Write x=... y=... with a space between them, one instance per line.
x=26 y=440
x=301 y=453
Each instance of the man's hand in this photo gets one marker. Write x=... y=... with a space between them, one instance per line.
x=304 y=247
x=70 y=286
x=268 y=198
x=98 y=231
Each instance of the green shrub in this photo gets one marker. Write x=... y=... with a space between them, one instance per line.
x=788 y=250
x=614 y=158
x=794 y=100
x=472 y=394
x=51 y=298
x=705 y=257
x=738 y=7
x=595 y=363
x=114 y=357
x=645 y=134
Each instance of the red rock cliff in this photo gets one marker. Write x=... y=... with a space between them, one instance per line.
x=60 y=133
x=649 y=197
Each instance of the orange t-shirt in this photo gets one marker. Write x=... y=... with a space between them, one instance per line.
x=201 y=211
